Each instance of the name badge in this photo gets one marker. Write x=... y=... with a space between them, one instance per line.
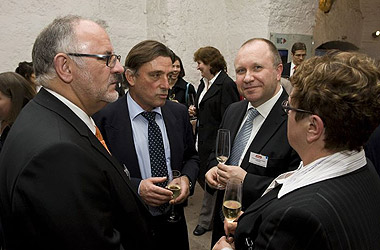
x=258 y=159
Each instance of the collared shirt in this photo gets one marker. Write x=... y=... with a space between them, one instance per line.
x=324 y=168
x=208 y=85
x=140 y=136
x=292 y=68
x=78 y=111
x=264 y=110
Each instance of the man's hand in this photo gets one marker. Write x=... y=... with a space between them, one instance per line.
x=224 y=242
x=212 y=177
x=226 y=172
x=185 y=190
x=154 y=195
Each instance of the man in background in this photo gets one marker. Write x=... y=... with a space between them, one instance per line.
x=59 y=186
x=151 y=137
x=298 y=53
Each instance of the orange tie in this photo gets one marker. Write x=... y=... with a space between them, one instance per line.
x=100 y=138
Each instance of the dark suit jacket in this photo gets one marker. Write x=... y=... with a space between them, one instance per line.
x=286 y=70
x=210 y=111
x=336 y=214
x=271 y=140
x=116 y=128
x=60 y=189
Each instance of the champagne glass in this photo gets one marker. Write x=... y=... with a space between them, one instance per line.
x=191 y=104
x=222 y=148
x=232 y=200
x=174 y=186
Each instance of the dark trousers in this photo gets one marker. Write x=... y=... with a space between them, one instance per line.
x=171 y=236
x=218 y=222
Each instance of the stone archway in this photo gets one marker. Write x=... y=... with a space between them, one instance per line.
x=338 y=45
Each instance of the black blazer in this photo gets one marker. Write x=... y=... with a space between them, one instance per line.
x=336 y=214
x=179 y=89
x=286 y=70
x=60 y=188
x=271 y=140
x=116 y=128
x=210 y=111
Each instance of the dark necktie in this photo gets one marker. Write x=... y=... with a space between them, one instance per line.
x=156 y=147
x=242 y=137
x=156 y=153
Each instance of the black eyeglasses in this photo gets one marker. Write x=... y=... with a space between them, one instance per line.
x=286 y=107
x=110 y=59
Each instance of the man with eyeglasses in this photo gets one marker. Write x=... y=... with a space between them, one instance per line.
x=332 y=201
x=260 y=149
x=298 y=53
x=59 y=186
x=152 y=136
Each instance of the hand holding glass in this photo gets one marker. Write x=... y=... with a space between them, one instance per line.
x=174 y=186
x=222 y=148
x=232 y=200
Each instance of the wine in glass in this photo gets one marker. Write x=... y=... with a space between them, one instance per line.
x=232 y=199
x=174 y=186
x=222 y=148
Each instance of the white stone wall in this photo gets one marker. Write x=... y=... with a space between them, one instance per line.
x=186 y=25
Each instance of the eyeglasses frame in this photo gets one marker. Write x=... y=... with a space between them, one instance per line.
x=286 y=108
x=104 y=57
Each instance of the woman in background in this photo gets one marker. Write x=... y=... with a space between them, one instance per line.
x=26 y=70
x=15 y=93
x=180 y=90
x=215 y=93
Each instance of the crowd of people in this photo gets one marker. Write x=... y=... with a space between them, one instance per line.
x=90 y=148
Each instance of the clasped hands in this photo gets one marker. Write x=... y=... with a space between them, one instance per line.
x=155 y=196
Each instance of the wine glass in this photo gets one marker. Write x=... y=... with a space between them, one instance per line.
x=222 y=148
x=191 y=105
x=174 y=186
x=232 y=200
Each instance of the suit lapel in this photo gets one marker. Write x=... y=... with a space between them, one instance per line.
x=272 y=123
x=171 y=130
x=50 y=102
x=215 y=87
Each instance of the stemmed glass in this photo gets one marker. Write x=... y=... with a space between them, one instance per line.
x=232 y=200
x=222 y=148
x=191 y=104
x=174 y=186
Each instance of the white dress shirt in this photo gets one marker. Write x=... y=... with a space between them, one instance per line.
x=264 y=110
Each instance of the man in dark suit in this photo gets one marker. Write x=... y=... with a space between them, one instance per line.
x=266 y=152
x=332 y=201
x=60 y=188
x=215 y=93
x=127 y=133
x=298 y=53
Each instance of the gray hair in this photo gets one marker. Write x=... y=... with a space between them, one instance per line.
x=59 y=36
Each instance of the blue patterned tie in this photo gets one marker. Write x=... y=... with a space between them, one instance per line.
x=156 y=152
x=242 y=137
